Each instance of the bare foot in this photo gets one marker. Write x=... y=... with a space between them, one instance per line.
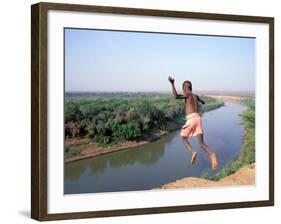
x=193 y=157
x=214 y=161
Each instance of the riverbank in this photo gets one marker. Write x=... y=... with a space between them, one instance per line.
x=92 y=149
x=247 y=152
x=244 y=176
x=88 y=149
x=227 y=98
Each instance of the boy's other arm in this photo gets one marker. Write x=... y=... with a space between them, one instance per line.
x=200 y=100
x=176 y=95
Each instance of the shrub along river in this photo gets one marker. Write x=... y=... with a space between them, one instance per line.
x=160 y=162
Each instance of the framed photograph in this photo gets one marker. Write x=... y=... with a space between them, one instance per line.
x=142 y=111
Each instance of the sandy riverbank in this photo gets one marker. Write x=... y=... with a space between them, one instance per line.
x=227 y=98
x=91 y=150
x=244 y=176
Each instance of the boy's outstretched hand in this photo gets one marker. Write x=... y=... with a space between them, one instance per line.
x=171 y=80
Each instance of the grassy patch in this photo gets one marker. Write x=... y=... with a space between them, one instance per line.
x=71 y=151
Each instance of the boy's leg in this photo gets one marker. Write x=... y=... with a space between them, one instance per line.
x=203 y=145
x=189 y=147
x=211 y=154
x=187 y=144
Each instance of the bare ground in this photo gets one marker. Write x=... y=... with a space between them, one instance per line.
x=227 y=98
x=244 y=176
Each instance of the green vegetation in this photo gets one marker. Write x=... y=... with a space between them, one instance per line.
x=117 y=117
x=247 y=154
x=71 y=151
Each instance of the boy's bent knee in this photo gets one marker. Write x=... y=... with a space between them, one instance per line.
x=183 y=138
x=201 y=144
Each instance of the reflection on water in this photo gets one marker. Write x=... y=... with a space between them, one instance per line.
x=154 y=164
x=123 y=158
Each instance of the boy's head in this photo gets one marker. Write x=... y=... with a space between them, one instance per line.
x=186 y=87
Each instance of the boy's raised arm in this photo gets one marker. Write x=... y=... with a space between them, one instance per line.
x=176 y=95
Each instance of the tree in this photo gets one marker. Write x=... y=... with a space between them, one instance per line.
x=72 y=112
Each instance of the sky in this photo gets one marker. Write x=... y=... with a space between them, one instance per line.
x=99 y=60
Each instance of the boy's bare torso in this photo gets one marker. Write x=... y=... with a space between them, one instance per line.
x=191 y=104
x=191 y=100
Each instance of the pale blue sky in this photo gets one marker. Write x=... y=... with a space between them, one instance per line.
x=97 y=60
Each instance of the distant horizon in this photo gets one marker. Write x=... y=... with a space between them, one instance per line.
x=154 y=91
x=226 y=92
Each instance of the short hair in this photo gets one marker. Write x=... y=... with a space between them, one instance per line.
x=190 y=84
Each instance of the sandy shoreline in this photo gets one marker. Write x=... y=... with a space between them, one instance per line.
x=92 y=150
x=228 y=98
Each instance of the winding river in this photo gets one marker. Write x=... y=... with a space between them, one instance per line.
x=160 y=162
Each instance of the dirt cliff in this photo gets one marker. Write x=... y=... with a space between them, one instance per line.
x=244 y=176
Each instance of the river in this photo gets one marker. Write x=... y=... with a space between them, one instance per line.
x=160 y=162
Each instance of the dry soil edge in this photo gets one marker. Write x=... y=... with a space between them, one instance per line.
x=244 y=176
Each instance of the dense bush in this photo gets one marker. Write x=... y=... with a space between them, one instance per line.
x=112 y=119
